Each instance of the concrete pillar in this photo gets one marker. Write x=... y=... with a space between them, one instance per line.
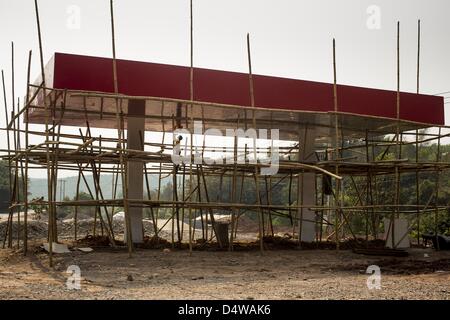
x=135 y=179
x=308 y=192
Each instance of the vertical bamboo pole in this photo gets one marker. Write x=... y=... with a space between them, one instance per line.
x=147 y=185
x=16 y=130
x=418 y=56
x=233 y=187
x=98 y=173
x=174 y=189
x=160 y=163
x=417 y=188
x=336 y=124
x=300 y=196
x=397 y=174
x=49 y=180
x=211 y=213
x=25 y=178
x=270 y=210
x=77 y=197
x=322 y=203
x=191 y=91
x=54 y=155
x=199 y=198
x=119 y=118
x=252 y=101
x=436 y=201
x=368 y=189
x=9 y=159
x=417 y=139
x=183 y=197
x=7 y=131
x=300 y=201
x=199 y=167
x=13 y=95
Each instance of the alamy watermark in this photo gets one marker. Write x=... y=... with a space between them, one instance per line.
x=74 y=280
x=373 y=21
x=269 y=160
x=374 y=280
x=73 y=21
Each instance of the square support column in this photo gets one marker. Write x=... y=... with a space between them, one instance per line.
x=135 y=178
x=307 y=192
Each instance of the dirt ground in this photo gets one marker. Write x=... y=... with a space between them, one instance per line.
x=280 y=274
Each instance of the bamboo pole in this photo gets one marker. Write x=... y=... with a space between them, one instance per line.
x=49 y=181
x=9 y=160
x=436 y=201
x=336 y=119
x=418 y=57
x=25 y=178
x=77 y=197
x=120 y=144
x=256 y=175
x=16 y=135
x=233 y=188
x=397 y=174
x=191 y=95
x=417 y=132
x=174 y=189
x=160 y=163
x=18 y=164
x=147 y=185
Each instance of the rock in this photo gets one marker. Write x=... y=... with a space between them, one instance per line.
x=130 y=277
x=166 y=250
x=197 y=278
x=232 y=262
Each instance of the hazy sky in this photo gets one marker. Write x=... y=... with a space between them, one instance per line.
x=290 y=38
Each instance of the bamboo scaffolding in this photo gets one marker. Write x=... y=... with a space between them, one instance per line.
x=356 y=159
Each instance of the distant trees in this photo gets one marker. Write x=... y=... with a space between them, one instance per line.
x=5 y=196
x=4 y=186
x=220 y=190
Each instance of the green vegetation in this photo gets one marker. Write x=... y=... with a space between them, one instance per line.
x=383 y=191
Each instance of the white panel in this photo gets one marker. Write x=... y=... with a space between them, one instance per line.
x=400 y=231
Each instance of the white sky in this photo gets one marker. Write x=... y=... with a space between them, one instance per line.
x=290 y=38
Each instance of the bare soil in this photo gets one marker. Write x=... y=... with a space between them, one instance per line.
x=277 y=274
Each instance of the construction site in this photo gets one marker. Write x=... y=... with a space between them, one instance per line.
x=219 y=178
